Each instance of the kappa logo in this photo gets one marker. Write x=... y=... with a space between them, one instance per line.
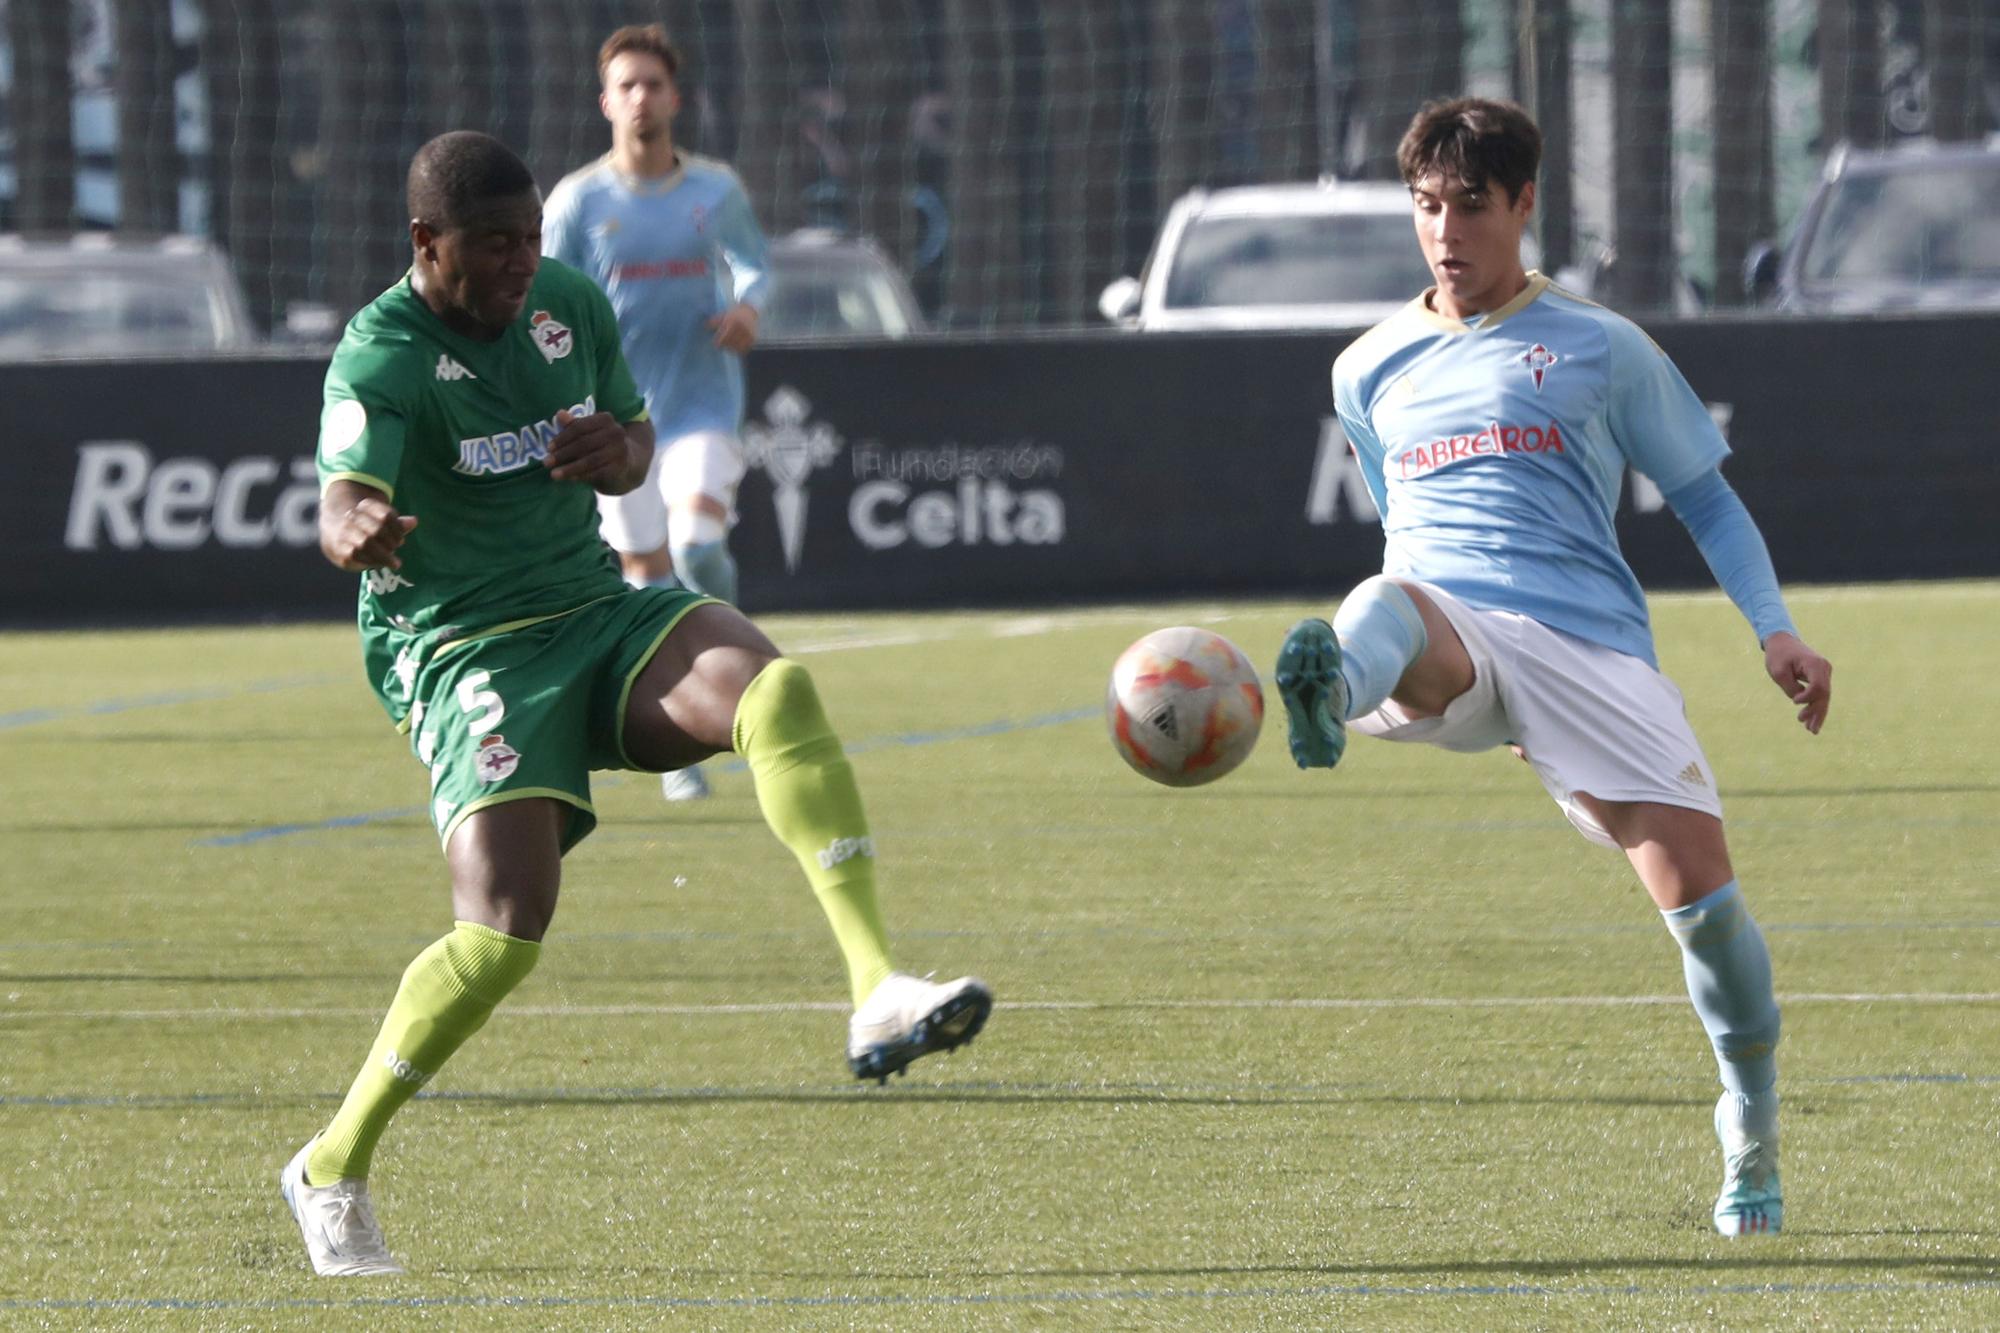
x=450 y=370
x=405 y=669
x=384 y=581
x=1538 y=359
x=552 y=339
x=790 y=446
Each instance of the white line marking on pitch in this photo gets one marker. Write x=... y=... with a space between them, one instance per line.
x=829 y=1006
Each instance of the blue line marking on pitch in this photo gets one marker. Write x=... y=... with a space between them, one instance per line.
x=1538 y=1290
x=28 y=718
x=1001 y=727
x=316 y=826
x=165 y=699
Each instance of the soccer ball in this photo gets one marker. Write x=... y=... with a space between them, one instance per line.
x=1184 y=706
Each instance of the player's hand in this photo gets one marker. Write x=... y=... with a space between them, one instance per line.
x=1804 y=676
x=735 y=328
x=365 y=535
x=594 y=450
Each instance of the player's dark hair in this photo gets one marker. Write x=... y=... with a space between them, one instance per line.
x=644 y=38
x=454 y=173
x=1473 y=141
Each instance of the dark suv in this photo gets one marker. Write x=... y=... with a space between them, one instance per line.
x=1914 y=227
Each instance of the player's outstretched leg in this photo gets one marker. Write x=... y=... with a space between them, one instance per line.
x=1752 y=1202
x=1315 y=696
x=806 y=789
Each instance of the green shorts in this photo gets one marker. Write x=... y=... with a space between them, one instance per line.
x=531 y=711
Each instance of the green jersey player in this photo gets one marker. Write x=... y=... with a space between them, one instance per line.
x=473 y=414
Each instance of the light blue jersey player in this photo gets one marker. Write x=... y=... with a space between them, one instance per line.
x=1494 y=419
x=672 y=240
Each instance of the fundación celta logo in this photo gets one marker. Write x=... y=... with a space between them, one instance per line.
x=790 y=447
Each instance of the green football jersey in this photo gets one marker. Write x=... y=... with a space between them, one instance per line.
x=454 y=431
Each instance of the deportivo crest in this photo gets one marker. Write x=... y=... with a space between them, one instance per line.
x=552 y=339
x=1538 y=359
x=496 y=759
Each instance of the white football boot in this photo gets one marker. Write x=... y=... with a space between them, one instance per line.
x=906 y=1017
x=684 y=784
x=342 y=1237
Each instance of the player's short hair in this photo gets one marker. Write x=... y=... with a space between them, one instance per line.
x=1475 y=141
x=648 y=39
x=455 y=172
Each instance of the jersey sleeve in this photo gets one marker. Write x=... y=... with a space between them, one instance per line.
x=364 y=420
x=1728 y=540
x=562 y=225
x=1361 y=438
x=742 y=244
x=616 y=391
x=1661 y=426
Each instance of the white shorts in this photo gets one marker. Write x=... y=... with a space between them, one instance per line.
x=703 y=462
x=1589 y=718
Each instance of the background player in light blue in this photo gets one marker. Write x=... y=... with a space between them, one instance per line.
x=1494 y=418
x=672 y=240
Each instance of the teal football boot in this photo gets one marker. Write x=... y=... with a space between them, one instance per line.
x=1315 y=696
x=1751 y=1202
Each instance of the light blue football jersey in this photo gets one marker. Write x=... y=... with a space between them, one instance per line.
x=671 y=253
x=1496 y=449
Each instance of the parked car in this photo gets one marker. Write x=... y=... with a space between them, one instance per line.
x=1913 y=227
x=1326 y=254
x=828 y=284
x=96 y=295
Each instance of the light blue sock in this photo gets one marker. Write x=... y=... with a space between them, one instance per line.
x=706 y=568
x=1729 y=979
x=1381 y=632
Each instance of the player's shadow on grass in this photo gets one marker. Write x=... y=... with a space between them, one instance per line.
x=1456 y=798
x=1892 y=789
x=653 y=827
x=191 y=978
x=965 y=1096
x=198 y=828
x=181 y=738
x=1756 y=1256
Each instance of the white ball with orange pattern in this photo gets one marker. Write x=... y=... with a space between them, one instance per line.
x=1184 y=706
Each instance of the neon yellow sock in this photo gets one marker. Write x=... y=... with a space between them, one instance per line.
x=809 y=799
x=448 y=993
